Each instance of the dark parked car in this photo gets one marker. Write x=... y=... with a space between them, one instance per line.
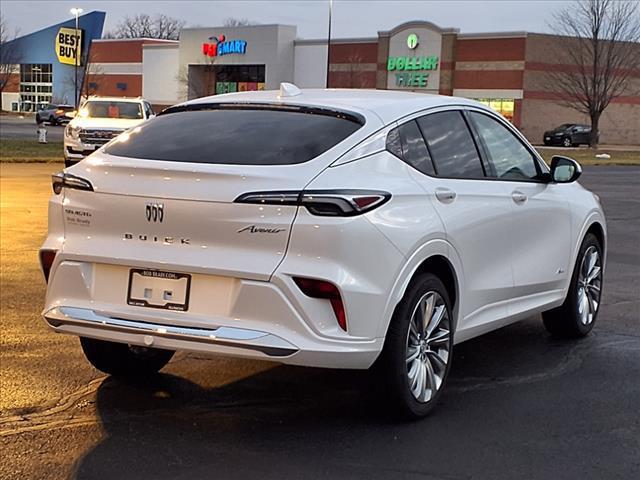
x=568 y=135
x=54 y=114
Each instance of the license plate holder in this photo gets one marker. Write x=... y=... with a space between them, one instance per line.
x=159 y=289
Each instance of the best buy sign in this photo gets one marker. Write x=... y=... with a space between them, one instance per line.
x=68 y=45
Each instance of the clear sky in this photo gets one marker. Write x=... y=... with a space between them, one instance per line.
x=351 y=18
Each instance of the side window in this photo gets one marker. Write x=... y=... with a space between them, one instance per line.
x=406 y=142
x=509 y=157
x=148 y=110
x=451 y=145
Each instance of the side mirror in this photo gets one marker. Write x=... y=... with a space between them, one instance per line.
x=564 y=169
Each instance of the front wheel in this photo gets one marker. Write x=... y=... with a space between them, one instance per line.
x=417 y=354
x=577 y=315
x=566 y=142
x=122 y=360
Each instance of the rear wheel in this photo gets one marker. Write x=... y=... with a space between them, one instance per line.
x=417 y=352
x=122 y=360
x=577 y=315
x=52 y=121
x=566 y=142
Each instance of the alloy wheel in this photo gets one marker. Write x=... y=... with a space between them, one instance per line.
x=589 y=285
x=428 y=346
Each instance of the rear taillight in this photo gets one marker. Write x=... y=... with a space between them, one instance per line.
x=322 y=289
x=66 y=180
x=47 y=258
x=327 y=203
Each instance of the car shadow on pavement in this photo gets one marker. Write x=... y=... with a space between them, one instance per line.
x=290 y=420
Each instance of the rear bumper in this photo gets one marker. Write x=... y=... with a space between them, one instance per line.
x=100 y=325
x=231 y=317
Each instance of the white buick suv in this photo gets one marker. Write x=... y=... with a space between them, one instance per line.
x=328 y=228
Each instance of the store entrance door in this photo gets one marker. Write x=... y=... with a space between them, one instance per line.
x=205 y=80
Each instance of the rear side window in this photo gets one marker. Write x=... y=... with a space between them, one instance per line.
x=452 y=148
x=406 y=142
x=241 y=136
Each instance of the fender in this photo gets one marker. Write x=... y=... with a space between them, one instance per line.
x=436 y=246
x=594 y=216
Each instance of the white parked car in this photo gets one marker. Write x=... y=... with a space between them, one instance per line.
x=329 y=228
x=99 y=120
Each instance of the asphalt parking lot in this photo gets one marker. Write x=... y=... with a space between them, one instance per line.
x=16 y=127
x=518 y=404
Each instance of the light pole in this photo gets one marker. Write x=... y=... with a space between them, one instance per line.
x=76 y=12
x=329 y=43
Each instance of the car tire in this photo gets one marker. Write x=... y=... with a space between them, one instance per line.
x=122 y=360
x=566 y=142
x=52 y=121
x=415 y=362
x=577 y=315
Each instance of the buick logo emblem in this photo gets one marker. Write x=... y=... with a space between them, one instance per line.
x=155 y=212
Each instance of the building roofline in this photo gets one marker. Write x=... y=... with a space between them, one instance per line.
x=222 y=27
x=141 y=39
x=416 y=24
x=488 y=35
x=335 y=41
x=161 y=45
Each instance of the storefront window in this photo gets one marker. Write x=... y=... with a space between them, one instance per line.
x=239 y=78
x=36 y=85
x=504 y=106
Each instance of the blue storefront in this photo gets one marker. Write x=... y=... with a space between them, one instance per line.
x=46 y=62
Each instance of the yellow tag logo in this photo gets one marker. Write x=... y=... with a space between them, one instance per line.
x=68 y=42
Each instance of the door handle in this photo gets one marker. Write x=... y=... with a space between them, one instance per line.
x=445 y=195
x=519 y=197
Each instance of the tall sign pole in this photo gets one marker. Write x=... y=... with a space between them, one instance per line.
x=76 y=12
x=329 y=43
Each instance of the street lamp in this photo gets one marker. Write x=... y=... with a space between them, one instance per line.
x=76 y=12
x=329 y=44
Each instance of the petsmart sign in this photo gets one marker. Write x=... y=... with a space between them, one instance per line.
x=68 y=45
x=218 y=46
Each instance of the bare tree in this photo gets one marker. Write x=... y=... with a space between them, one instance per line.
x=10 y=54
x=237 y=22
x=93 y=75
x=146 y=26
x=601 y=56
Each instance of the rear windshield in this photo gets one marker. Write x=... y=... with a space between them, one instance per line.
x=237 y=136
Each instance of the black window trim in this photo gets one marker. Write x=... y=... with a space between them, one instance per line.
x=464 y=119
x=540 y=164
x=435 y=168
x=404 y=160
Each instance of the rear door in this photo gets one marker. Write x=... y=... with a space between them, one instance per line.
x=164 y=192
x=475 y=211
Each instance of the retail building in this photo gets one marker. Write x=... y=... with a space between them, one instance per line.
x=506 y=70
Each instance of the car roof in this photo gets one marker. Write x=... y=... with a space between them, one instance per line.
x=387 y=105
x=116 y=99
